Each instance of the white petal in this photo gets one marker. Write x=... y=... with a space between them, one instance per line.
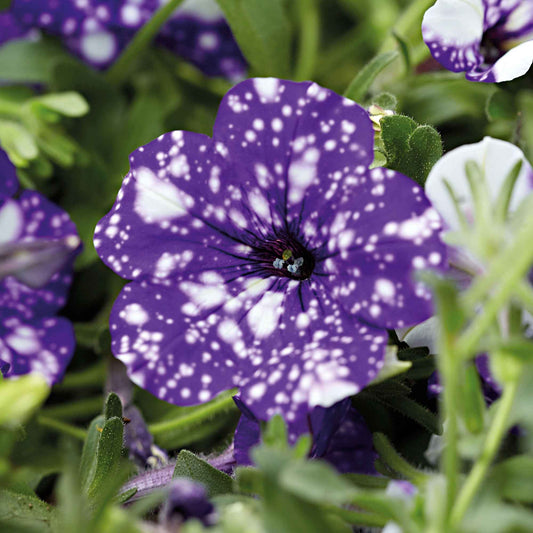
x=425 y=334
x=516 y=62
x=495 y=157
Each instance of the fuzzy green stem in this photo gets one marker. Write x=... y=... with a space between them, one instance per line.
x=509 y=267
x=511 y=262
x=62 y=427
x=193 y=418
x=492 y=444
x=75 y=408
x=358 y=518
x=309 y=39
x=448 y=369
x=142 y=39
x=393 y=459
x=89 y=377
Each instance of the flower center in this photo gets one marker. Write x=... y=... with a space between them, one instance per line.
x=286 y=257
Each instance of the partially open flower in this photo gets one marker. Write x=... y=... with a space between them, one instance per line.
x=489 y=40
x=268 y=258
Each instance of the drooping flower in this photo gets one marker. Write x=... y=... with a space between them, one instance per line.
x=339 y=433
x=38 y=244
x=98 y=30
x=268 y=258
x=489 y=40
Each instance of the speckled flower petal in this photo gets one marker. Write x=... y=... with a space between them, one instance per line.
x=453 y=30
x=8 y=175
x=42 y=345
x=491 y=40
x=495 y=157
x=299 y=143
x=44 y=233
x=179 y=213
x=313 y=353
x=170 y=346
x=98 y=30
x=382 y=234
x=198 y=32
x=514 y=63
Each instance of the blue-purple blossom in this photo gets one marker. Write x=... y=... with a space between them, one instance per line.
x=38 y=244
x=202 y=225
x=186 y=500
x=339 y=434
x=489 y=40
x=98 y=30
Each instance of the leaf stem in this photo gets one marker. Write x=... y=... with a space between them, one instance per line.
x=492 y=444
x=75 y=408
x=62 y=427
x=142 y=39
x=309 y=39
x=193 y=418
x=393 y=459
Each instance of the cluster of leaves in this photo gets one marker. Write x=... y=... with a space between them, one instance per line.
x=70 y=129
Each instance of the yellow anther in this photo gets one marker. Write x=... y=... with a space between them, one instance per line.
x=287 y=254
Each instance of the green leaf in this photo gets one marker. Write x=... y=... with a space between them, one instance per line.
x=359 y=86
x=525 y=105
x=316 y=482
x=274 y=433
x=249 y=480
x=263 y=33
x=472 y=404
x=182 y=426
x=108 y=454
x=192 y=467
x=21 y=512
x=30 y=62
x=410 y=149
x=17 y=142
x=88 y=456
x=69 y=104
x=425 y=149
x=386 y=101
x=113 y=406
x=20 y=398
x=415 y=411
x=514 y=478
x=395 y=133
x=500 y=105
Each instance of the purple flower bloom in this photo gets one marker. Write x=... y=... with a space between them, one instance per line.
x=38 y=244
x=186 y=500
x=268 y=258
x=490 y=40
x=98 y=30
x=340 y=436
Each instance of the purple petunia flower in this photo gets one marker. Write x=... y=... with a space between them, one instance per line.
x=490 y=40
x=268 y=258
x=38 y=244
x=340 y=436
x=98 y=30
